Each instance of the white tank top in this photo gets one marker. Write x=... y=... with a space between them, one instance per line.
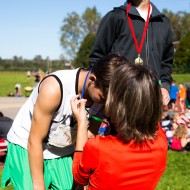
x=20 y=129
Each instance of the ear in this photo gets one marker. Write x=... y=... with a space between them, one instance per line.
x=92 y=78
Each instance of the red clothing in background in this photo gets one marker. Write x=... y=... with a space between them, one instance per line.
x=176 y=144
x=107 y=163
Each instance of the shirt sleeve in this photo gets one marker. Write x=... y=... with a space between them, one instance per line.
x=167 y=61
x=84 y=163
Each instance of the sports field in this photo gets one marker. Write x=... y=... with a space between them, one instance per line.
x=9 y=79
x=176 y=176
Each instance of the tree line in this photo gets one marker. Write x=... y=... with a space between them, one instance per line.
x=78 y=35
x=38 y=63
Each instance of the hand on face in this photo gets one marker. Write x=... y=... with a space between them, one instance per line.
x=78 y=109
x=165 y=96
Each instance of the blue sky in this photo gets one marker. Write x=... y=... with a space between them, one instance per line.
x=30 y=28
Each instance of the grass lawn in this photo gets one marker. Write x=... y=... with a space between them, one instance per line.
x=176 y=176
x=181 y=78
x=9 y=79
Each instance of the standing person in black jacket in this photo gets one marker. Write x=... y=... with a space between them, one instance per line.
x=138 y=31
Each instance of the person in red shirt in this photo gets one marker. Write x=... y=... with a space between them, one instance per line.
x=135 y=157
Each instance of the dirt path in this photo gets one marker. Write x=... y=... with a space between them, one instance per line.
x=9 y=106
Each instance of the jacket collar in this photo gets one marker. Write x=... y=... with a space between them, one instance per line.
x=133 y=10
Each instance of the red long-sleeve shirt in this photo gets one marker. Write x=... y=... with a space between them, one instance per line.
x=107 y=163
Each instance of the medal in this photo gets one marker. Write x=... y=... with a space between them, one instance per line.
x=138 y=60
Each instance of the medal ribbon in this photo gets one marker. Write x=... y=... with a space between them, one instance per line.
x=138 y=47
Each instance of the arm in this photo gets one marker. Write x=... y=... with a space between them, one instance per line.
x=105 y=37
x=78 y=109
x=166 y=66
x=184 y=141
x=85 y=159
x=167 y=59
x=46 y=104
x=86 y=162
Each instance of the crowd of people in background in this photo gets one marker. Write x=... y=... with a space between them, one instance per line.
x=176 y=117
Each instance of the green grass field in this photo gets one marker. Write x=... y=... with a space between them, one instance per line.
x=9 y=79
x=176 y=176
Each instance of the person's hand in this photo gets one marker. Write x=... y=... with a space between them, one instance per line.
x=165 y=96
x=78 y=109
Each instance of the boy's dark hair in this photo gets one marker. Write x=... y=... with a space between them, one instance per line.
x=105 y=68
x=134 y=103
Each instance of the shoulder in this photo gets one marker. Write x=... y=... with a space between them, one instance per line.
x=120 y=12
x=166 y=20
x=92 y=143
x=49 y=93
x=99 y=141
x=161 y=135
x=157 y=14
x=115 y=13
x=50 y=84
x=55 y=80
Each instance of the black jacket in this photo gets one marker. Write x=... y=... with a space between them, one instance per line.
x=114 y=36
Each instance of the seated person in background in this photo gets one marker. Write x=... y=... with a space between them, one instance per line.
x=173 y=94
x=18 y=90
x=134 y=158
x=182 y=97
x=180 y=138
x=28 y=73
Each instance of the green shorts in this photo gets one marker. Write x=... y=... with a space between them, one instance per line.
x=57 y=172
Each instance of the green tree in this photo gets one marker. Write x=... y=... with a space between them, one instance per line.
x=91 y=19
x=38 y=59
x=15 y=58
x=76 y=27
x=179 y=22
x=71 y=33
x=182 y=55
x=185 y=23
x=84 y=51
x=175 y=23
